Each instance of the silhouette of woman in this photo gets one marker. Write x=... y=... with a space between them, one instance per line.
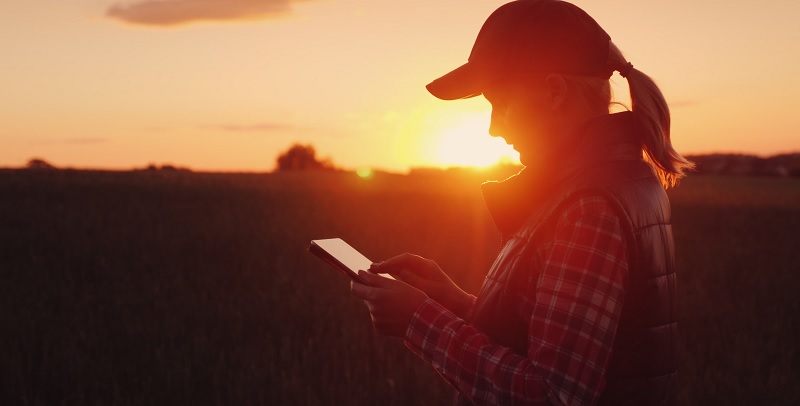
x=579 y=306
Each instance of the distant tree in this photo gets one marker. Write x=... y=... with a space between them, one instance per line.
x=38 y=163
x=166 y=168
x=301 y=157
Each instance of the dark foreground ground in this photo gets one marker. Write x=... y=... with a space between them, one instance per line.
x=186 y=288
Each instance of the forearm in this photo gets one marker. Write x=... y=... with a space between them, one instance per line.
x=482 y=371
x=573 y=305
x=460 y=304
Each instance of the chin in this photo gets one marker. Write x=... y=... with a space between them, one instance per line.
x=530 y=160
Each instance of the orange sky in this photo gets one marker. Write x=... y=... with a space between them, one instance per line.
x=228 y=84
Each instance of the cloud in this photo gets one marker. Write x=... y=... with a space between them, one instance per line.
x=69 y=141
x=86 y=140
x=262 y=127
x=176 y=12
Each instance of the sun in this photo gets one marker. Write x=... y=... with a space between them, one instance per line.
x=467 y=143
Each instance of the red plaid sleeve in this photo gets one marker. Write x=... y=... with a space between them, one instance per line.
x=574 y=304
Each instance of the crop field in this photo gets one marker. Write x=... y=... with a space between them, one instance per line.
x=171 y=287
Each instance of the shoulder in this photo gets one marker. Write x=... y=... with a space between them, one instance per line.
x=586 y=206
x=585 y=219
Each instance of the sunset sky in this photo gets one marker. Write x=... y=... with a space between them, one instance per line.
x=229 y=84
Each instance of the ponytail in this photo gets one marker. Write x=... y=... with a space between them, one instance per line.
x=650 y=107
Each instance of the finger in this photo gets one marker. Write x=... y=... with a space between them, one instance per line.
x=413 y=279
x=376 y=281
x=362 y=291
x=400 y=262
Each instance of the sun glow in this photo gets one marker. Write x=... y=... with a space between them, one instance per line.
x=467 y=143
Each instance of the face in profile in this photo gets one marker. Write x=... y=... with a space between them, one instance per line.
x=522 y=116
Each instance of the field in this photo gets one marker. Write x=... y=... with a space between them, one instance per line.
x=170 y=287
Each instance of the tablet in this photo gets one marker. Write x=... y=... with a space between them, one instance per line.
x=342 y=256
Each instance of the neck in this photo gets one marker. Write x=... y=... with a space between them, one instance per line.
x=568 y=134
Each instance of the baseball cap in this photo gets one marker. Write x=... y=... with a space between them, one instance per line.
x=528 y=36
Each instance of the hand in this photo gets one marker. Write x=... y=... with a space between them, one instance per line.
x=425 y=275
x=391 y=303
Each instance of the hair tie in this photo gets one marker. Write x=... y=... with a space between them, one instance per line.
x=625 y=70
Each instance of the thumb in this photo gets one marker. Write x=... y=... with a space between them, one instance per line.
x=374 y=280
x=405 y=262
x=412 y=279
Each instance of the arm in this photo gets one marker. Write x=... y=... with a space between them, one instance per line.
x=426 y=276
x=574 y=305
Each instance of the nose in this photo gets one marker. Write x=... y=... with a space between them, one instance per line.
x=497 y=125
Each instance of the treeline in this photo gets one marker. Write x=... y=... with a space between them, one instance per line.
x=783 y=165
x=304 y=158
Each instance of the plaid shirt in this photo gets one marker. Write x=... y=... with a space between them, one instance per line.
x=572 y=304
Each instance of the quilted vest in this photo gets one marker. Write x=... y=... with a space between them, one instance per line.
x=642 y=368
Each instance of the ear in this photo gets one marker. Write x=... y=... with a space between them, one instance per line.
x=557 y=90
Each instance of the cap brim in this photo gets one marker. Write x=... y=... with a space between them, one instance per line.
x=460 y=83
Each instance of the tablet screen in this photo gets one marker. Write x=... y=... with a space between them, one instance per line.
x=341 y=255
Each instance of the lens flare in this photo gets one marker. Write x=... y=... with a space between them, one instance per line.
x=467 y=143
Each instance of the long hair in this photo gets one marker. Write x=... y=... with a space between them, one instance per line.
x=650 y=107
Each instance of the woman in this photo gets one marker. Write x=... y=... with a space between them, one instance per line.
x=579 y=306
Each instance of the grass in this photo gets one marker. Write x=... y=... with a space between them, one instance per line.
x=190 y=288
